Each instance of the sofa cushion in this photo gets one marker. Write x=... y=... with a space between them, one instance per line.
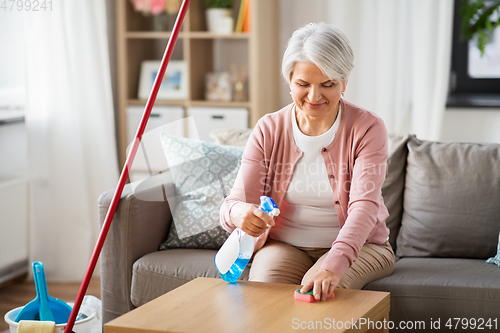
x=159 y=272
x=203 y=174
x=393 y=187
x=424 y=288
x=451 y=200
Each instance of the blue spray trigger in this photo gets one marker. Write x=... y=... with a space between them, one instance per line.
x=268 y=205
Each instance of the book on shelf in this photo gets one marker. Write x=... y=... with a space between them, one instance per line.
x=246 y=21
x=242 y=15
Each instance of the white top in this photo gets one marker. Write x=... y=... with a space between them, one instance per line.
x=308 y=217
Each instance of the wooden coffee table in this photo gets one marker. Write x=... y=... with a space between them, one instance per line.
x=212 y=305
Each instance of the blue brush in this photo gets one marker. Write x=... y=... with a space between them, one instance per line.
x=44 y=307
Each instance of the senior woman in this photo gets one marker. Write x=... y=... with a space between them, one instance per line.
x=323 y=160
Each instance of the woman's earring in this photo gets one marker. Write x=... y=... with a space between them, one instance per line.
x=342 y=94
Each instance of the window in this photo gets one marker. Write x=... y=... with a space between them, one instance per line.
x=474 y=80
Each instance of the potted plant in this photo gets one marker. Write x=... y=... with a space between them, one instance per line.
x=479 y=19
x=219 y=16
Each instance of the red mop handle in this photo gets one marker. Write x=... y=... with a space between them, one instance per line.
x=128 y=165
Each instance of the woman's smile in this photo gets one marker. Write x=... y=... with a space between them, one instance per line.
x=314 y=105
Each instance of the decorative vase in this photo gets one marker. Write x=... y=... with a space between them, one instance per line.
x=160 y=22
x=219 y=20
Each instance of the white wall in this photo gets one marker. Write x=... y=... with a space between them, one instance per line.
x=11 y=60
x=13 y=150
x=473 y=125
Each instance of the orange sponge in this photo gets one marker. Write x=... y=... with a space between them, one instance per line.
x=307 y=297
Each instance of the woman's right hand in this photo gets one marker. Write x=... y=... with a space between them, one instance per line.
x=250 y=219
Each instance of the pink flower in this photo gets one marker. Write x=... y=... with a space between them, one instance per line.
x=141 y=5
x=148 y=7
x=157 y=6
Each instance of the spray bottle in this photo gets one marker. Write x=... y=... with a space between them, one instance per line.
x=235 y=253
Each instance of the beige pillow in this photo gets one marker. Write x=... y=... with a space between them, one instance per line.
x=393 y=187
x=231 y=137
x=451 y=200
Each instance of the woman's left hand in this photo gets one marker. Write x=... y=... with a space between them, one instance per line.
x=323 y=284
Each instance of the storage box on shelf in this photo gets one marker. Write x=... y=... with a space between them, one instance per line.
x=150 y=158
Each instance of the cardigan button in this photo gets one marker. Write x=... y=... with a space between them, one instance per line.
x=337 y=202
x=324 y=149
x=332 y=176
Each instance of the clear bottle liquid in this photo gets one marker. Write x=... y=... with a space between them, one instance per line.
x=233 y=256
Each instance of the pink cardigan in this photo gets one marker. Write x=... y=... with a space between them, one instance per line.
x=355 y=160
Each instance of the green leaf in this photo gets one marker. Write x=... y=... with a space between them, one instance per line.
x=477 y=20
x=489 y=26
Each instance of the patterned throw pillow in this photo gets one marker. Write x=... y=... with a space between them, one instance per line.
x=203 y=174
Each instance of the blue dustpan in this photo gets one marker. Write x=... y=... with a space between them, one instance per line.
x=44 y=307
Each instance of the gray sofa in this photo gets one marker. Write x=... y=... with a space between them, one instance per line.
x=444 y=204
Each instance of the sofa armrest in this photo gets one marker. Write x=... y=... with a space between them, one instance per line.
x=140 y=224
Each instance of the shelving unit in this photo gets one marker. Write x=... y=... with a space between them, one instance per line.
x=203 y=52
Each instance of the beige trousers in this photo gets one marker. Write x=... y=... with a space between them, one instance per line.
x=283 y=263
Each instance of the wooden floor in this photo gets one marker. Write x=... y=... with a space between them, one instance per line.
x=20 y=293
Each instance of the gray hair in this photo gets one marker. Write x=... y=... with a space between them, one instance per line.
x=323 y=45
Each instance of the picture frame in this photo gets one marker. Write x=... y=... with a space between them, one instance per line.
x=174 y=85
